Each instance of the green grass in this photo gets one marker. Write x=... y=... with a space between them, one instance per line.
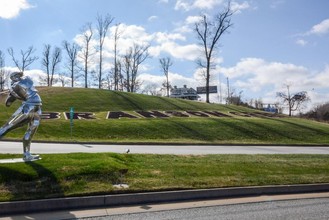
x=196 y=130
x=92 y=174
x=193 y=130
x=95 y=100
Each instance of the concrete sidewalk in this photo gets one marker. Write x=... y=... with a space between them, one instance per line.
x=56 y=148
x=45 y=205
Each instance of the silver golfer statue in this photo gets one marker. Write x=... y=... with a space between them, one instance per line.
x=28 y=113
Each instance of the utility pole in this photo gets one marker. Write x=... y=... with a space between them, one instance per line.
x=220 y=90
x=228 y=91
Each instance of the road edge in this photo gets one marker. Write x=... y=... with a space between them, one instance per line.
x=30 y=206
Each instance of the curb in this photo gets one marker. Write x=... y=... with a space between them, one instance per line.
x=166 y=143
x=153 y=197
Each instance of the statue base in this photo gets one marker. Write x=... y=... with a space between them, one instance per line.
x=17 y=160
x=121 y=186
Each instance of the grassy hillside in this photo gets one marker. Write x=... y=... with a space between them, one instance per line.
x=63 y=175
x=212 y=130
x=95 y=100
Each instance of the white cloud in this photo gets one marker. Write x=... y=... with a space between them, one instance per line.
x=321 y=28
x=135 y=32
x=301 y=42
x=35 y=75
x=187 y=5
x=188 y=25
x=237 y=8
x=192 y=19
x=259 y=78
x=255 y=74
x=320 y=80
x=152 y=18
x=183 y=5
x=276 y=3
x=163 y=37
x=206 y=4
x=187 y=52
x=172 y=44
x=160 y=41
x=174 y=79
x=128 y=35
x=11 y=8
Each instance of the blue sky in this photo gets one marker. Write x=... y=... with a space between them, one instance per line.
x=272 y=43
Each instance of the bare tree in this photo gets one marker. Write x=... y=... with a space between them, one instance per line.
x=117 y=64
x=165 y=63
x=234 y=98
x=2 y=71
x=62 y=79
x=108 y=81
x=127 y=62
x=55 y=60
x=86 y=50
x=135 y=56
x=46 y=62
x=209 y=33
x=320 y=112
x=27 y=58
x=72 y=52
x=151 y=89
x=120 y=77
x=50 y=62
x=102 y=27
x=294 y=101
x=259 y=104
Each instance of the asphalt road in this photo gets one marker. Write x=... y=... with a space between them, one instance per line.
x=51 y=148
x=290 y=206
x=274 y=210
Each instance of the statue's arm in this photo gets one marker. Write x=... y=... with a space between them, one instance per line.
x=10 y=99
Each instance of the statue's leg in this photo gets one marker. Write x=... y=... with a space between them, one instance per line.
x=18 y=119
x=32 y=128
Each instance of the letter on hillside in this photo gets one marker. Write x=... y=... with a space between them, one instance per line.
x=177 y=114
x=118 y=115
x=242 y=114
x=152 y=114
x=215 y=113
x=51 y=115
x=198 y=114
x=80 y=115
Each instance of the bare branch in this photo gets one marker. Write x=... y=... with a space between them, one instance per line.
x=209 y=32
x=102 y=28
x=165 y=63
x=293 y=101
x=86 y=54
x=134 y=57
x=46 y=61
x=72 y=52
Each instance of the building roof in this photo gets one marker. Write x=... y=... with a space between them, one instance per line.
x=188 y=93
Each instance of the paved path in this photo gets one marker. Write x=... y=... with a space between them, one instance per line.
x=274 y=210
x=298 y=206
x=50 y=148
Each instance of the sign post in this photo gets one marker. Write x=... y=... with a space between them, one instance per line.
x=202 y=90
x=71 y=119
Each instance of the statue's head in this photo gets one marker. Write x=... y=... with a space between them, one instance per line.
x=16 y=76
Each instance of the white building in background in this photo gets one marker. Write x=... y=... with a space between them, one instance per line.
x=184 y=93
